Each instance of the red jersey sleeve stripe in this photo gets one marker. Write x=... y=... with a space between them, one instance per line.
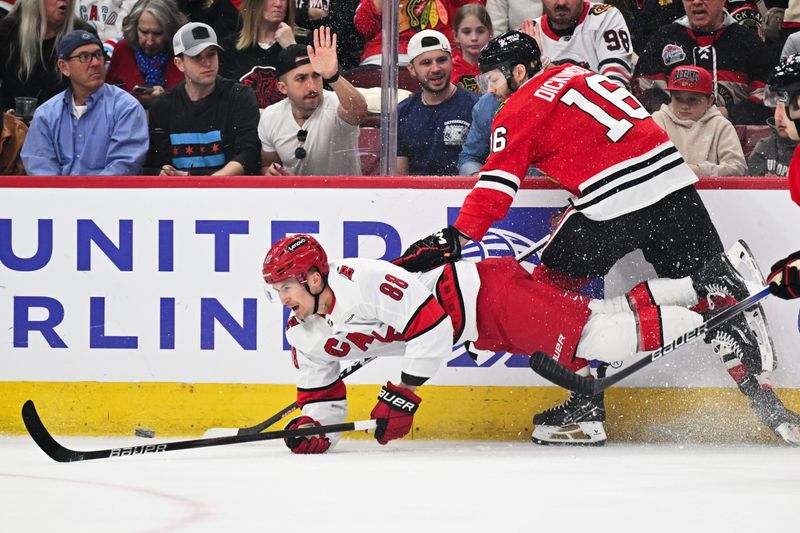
x=336 y=391
x=425 y=318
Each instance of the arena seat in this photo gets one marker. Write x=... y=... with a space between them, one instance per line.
x=369 y=148
x=366 y=76
x=750 y=135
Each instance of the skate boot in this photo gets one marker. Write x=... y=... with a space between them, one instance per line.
x=770 y=410
x=718 y=284
x=738 y=348
x=577 y=421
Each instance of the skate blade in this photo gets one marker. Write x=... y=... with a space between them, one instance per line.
x=580 y=434
x=790 y=433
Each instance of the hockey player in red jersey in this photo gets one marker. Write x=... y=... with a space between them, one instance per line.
x=632 y=190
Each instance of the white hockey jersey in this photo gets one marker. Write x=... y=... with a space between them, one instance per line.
x=601 y=40
x=380 y=310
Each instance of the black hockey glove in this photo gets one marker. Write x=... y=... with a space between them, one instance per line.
x=784 y=282
x=432 y=251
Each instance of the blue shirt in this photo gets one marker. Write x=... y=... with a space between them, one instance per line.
x=110 y=139
x=431 y=136
x=476 y=149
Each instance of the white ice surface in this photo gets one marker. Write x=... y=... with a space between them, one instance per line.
x=403 y=487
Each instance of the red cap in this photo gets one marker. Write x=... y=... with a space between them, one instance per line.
x=690 y=78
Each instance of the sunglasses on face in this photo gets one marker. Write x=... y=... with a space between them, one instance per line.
x=300 y=152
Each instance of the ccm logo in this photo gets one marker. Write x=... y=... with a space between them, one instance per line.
x=397 y=402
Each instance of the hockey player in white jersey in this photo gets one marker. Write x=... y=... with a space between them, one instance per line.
x=358 y=308
x=588 y=33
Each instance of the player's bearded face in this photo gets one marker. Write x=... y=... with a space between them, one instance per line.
x=563 y=13
x=494 y=82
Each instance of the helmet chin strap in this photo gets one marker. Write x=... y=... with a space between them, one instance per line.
x=316 y=296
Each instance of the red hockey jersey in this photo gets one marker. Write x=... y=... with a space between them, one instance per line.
x=587 y=133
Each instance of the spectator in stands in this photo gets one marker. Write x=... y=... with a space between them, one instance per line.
x=250 y=54
x=12 y=137
x=591 y=34
x=106 y=16
x=312 y=131
x=432 y=125
x=142 y=62
x=206 y=124
x=646 y=16
x=706 y=140
x=710 y=38
x=221 y=15
x=791 y=46
x=91 y=128
x=473 y=29
x=415 y=15
x=510 y=14
x=337 y=15
x=29 y=38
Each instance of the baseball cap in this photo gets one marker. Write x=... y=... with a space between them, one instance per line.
x=690 y=78
x=76 y=39
x=427 y=41
x=193 y=38
x=287 y=59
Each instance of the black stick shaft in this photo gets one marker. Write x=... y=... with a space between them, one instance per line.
x=261 y=426
x=59 y=453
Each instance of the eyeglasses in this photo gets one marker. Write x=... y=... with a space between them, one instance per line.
x=300 y=152
x=86 y=57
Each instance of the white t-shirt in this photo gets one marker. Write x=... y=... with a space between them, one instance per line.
x=331 y=144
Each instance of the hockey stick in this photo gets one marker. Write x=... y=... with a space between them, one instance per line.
x=59 y=453
x=535 y=247
x=549 y=369
x=261 y=426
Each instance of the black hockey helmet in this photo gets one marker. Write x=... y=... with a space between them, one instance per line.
x=783 y=84
x=509 y=49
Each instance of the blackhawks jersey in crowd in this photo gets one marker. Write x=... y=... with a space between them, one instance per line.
x=588 y=134
x=380 y=310
x=734 y=55
x=600 y=39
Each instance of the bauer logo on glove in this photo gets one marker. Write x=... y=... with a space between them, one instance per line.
x=394 y=412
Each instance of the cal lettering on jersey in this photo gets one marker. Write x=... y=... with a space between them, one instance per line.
x=549 y=89
x=341 y=347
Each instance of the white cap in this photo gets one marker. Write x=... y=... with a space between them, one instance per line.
x=427 y=41
x=193 y=38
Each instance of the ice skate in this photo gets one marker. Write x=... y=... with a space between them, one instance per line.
x=736 y=345
x=577 y=421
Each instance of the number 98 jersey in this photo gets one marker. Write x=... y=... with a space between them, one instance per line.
x=587 y=133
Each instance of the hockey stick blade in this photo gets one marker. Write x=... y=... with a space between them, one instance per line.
x=59 y=453
x=261 y=426
x=549 y=369
x=552 y=371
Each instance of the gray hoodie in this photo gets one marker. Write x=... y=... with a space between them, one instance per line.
x=771 y=155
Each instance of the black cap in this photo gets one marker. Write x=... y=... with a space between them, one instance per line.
x=288 y=59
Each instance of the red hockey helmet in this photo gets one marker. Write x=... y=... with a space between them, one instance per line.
x=292 y=257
